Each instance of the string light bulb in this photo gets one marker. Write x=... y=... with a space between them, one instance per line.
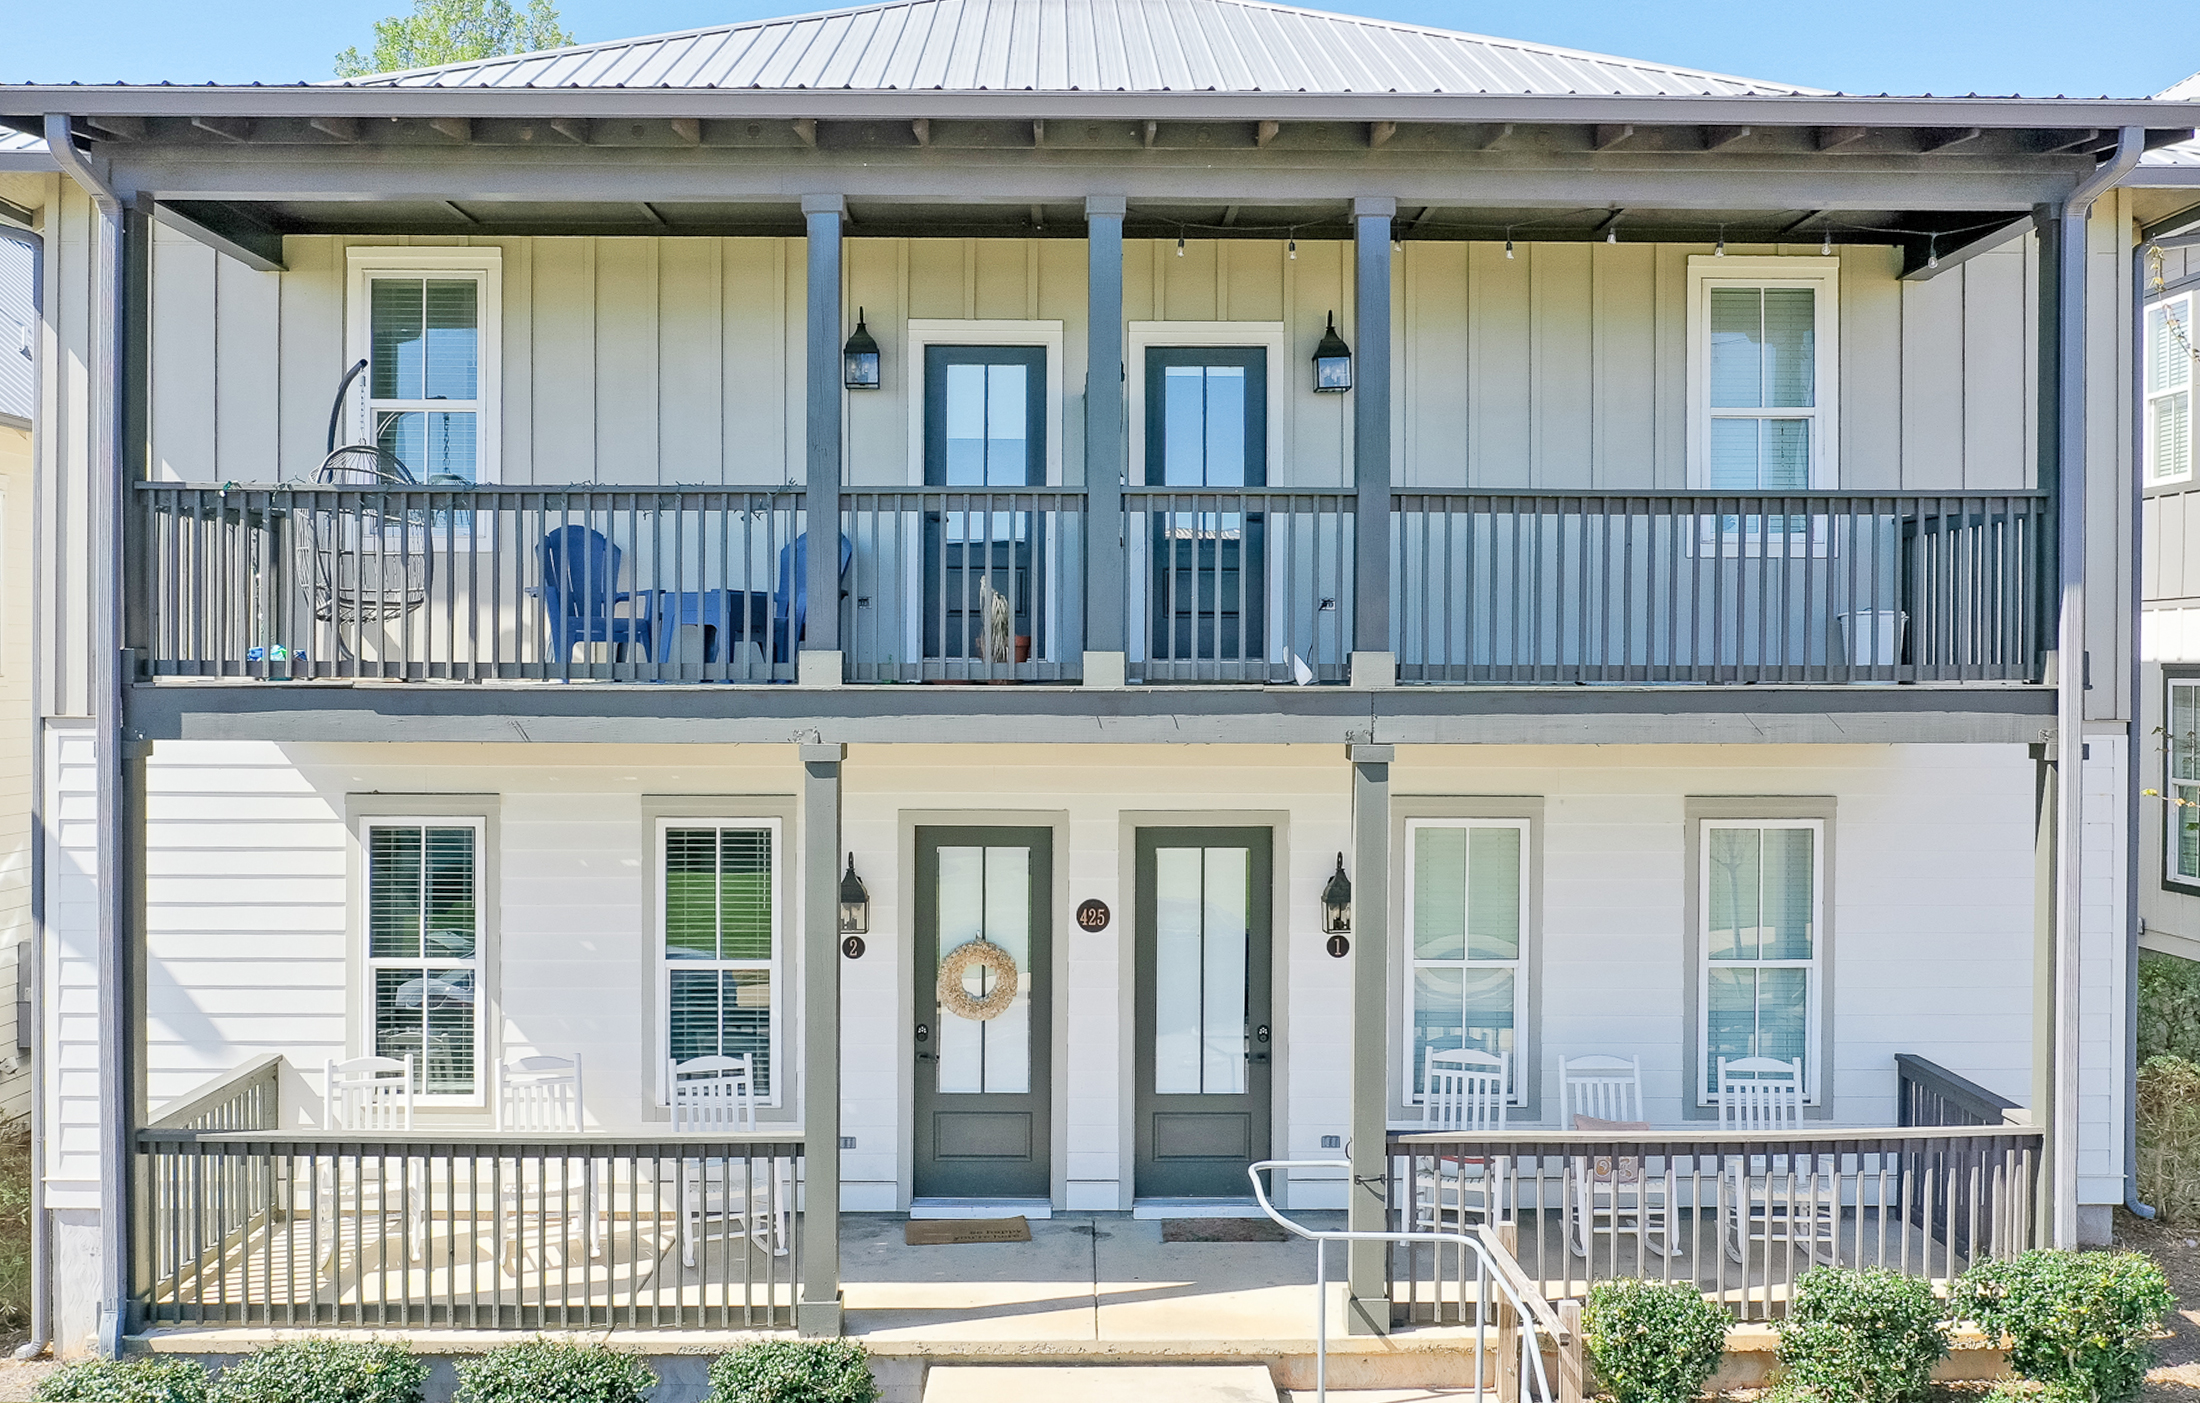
x=1825 y=244
x=1508 y=241
x=1720 y=250
x=1292 y=248
x=1180 y=243
x=1932 y=252
x=1611 y=233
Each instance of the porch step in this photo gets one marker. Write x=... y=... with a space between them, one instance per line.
x=1104 y=1383
x=1155 y=1208
x=1036 y=1209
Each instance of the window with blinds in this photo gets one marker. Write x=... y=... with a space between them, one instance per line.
x=424 y=372
x=2167 y=418
x=2181 y=790
x=1763 y=349
x=1466 y=889
x=721 y=944
x=424 y=949
x=1760 y=897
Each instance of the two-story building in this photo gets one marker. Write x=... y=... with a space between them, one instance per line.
x=1349 y=541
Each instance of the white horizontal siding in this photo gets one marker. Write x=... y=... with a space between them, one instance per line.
x=71 y=1048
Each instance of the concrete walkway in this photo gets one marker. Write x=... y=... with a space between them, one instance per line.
x=1081 y=1280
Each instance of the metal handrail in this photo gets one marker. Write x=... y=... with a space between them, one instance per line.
x=1537 y=1316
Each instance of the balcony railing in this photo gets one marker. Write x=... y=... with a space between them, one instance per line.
x=1738 y=1215
x=1245 y=585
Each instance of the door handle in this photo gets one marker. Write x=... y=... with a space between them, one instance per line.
x=924 y=1038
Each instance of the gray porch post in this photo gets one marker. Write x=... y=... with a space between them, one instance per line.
x=1373 y=665
x=817 y=1313
x=818 y=660
x=1367 y=1208
x=1104 y=458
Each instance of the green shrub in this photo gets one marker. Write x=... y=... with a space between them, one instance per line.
x=2169 y=1006
x=2078 y=1322
x=141 y=1379
x=1653 y=1342
x=323 y=1371
x=794 y=1371
x=1861 y=1337
x=533 y=1371
x=2169 y=1137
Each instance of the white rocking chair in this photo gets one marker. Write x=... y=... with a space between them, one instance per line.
x=1463 y=1091
x=716 y=1095
x=1774 y=1198
x=367 y=1095
x=1610 y=1194
x=543 y=1094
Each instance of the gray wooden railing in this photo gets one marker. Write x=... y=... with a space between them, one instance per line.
x=1255 y=584
x=210 y=1206
x=488 y=1231
x=1739 y=1216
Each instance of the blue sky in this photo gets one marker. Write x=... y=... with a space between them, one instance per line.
x=2037 y=47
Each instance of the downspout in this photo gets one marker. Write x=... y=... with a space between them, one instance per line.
x=117 y=1099
x=2070 y=489
x=41 y=1234
x=2136 y=780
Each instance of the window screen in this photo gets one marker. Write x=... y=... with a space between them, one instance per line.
x=720 y=944
x=423 y=950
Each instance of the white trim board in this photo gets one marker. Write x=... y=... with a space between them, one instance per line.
x=933 y=331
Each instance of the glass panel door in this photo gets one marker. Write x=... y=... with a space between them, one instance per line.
x=1207 y=426
x=984 y=428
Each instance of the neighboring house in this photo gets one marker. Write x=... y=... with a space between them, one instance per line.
x=2168 y=270
x=1702 y=545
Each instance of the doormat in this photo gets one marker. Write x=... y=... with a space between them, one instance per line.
x=948 y=1232
x=1221 y=1230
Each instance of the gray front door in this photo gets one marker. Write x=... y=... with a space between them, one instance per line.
x=982 y=1086
x=1203 y=1027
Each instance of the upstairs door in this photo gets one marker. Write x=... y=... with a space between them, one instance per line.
x=982 y=1085
x=1207 y=426
x=1204 y=1035
x=984 y=427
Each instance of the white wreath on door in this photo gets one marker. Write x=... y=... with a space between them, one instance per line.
x=957 y=963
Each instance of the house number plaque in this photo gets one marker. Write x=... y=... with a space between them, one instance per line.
x=1339 y=947
x=1092 y=914
x=852 y=947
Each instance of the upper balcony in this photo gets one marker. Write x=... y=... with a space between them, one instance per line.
x=1243 y=585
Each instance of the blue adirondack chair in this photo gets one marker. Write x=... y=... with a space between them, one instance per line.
x=793 y=594
x=580 y=587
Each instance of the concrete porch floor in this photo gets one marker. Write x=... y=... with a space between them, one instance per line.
x=1095 y=1279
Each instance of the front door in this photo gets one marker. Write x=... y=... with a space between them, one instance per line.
x=982 y=1125
x=985 y=430
x=1203 y=1028
x=1207 y=426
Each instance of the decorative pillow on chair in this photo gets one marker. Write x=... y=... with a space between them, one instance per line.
x=1603 y=1168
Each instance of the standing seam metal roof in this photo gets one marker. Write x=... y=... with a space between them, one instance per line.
x=1085 y=46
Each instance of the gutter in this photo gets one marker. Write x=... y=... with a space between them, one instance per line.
x=41 y=1334
x=117 y=1099
x=2136 y=778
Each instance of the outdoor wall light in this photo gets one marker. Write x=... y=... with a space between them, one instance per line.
x=1332 y=362
x=855 y=902
x=859 y=358
x=1337 y=902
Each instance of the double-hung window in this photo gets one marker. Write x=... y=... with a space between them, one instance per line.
x=1760 y=897
x=423 y=899
x=2171 y=348
x=719 y=911
x=1466 y=895
x=2181 y=787
x=426 y=323
x=1762 y=338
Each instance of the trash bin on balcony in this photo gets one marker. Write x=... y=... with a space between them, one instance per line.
x=1873 y=637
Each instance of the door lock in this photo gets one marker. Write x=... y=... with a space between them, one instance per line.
x=924 y=1039
x=1260 y=1034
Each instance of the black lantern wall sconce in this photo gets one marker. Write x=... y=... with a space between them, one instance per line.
x=1337 y=902
x=859 y=358
x=1332 y=362
x=855 y=902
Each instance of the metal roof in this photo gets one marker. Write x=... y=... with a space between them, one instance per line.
x=18 y=368
x=2185 y=154
x=1241 y=46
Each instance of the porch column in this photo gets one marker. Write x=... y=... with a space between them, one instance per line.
x=817 y=1310
x=1373 y=665
x=1367 y=1208
x=1104 y=459
x=818 y=661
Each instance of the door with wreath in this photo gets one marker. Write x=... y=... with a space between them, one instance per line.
x=983 y=1013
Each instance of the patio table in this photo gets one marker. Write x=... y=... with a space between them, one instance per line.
x=722 y=614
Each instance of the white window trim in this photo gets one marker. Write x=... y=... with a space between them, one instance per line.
x=1815 y=993
x=923 y=332
x=486 y=265
x=2170 y=810
x=1272 y=337
x=2190 y=390
x=1519 y=964
x=660 y=1052
x=369 y=963
x=1823 y=275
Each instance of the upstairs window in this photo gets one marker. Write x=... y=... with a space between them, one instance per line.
x=2181 y=787
x=425 y=322
x=2167 y=418
x=1762 y=383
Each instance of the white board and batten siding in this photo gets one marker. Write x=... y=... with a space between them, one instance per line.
x=1930 y=915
